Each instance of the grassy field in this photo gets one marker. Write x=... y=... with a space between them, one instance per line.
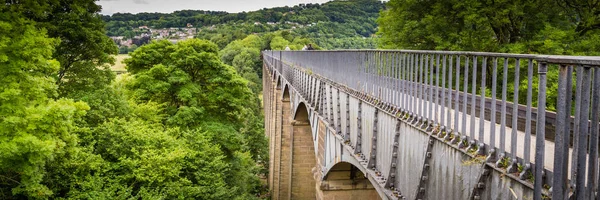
x=119 y=65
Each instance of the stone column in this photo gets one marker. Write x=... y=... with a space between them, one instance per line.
x=303 y=161
x=283 y=153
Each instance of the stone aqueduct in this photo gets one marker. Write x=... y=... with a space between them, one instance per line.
x=298 y=141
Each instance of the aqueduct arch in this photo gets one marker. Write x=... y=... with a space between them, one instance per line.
x=293 y=159
x=346 y=181
x=302 y=156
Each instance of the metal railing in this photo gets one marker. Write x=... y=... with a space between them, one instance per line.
x=485 y=102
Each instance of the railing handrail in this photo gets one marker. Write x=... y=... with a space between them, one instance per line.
x=553 y=59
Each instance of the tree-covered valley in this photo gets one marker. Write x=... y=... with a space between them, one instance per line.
x=181 y=124
x=332 y=25
x=185 y=121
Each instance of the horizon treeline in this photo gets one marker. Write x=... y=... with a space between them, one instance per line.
x=331 y=25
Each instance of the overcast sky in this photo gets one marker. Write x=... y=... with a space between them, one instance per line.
x=167 y=6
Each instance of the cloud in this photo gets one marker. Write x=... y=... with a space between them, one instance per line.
x=140 y=2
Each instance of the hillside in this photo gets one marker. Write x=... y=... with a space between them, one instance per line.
x=331 y=25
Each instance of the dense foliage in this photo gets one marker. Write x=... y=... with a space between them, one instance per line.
x=539 y=26
x=332 y=25
x=182 y=124
x=244 y=55
x=83 y=50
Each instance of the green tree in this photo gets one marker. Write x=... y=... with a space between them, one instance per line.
x=132 y=48
x=191 y=80
x=279 y=43
x=34 y=129
x=84 y=49
x=123 y=50
x=247 y=63
x=149 y=161
x=200 y=92
x=183 y=126
x=542 y=27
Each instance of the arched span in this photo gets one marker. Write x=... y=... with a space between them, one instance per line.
x=346 y=181
x=303 y=158
x=286 y=93
x=301 y=113
x=346 y=167
x=278 y=82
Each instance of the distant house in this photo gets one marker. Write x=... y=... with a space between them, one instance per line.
x=127 y=43
x=117 y=39
x=191 y=31
x=189 y=25
x=164 y=34
x=143 y=27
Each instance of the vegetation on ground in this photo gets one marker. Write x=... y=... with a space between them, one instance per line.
x=119 y=65
x=180 y=124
